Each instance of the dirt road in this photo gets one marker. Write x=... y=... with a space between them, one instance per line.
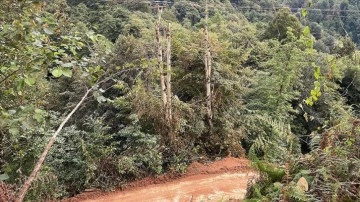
x=219 y=181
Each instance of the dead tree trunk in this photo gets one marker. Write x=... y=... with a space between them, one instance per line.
x=160 y=57
x=25 y=187
x=165 y=78
x=208 y=68
x=168 y=81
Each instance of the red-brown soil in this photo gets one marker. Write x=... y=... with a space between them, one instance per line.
x=5 y=193
x=217 y=181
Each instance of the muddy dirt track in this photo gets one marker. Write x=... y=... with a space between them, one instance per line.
x=219 y=181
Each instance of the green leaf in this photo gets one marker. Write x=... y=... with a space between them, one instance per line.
x=11 y=111
x=309 y=101
x=313 y=93
x=38 y=43
x=73 y=50
x=39 y=20
x=38 y=117
x=14 y=131
x=317 y=73
x=309 y=43
x=10 y=91
x=57 y=72
x=317 y=84
x=341 y=44
x=306 y=31
x=314 y=98
x=304 y=12
x=101 y=99
x=5 y=114
x=4 y=177
x=20 y=84
x=39 y=111
x=48 y=31
x=27 y=24
x=3 y=69
x=318 y=94
x=67 y=72
x=91 y=36
x=278 y=185
x=30 y=81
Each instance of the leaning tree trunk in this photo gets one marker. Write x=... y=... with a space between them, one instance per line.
x=208 y=68
x=27 y=184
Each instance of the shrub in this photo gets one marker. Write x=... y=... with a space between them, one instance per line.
x=330 y=172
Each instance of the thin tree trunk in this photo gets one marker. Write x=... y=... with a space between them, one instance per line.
x=160 y=58
x=208 y=68
x=168 y=80
x=27 y=184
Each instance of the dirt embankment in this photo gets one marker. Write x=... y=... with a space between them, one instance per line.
x=217 y=181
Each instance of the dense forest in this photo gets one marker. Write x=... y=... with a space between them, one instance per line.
x=107 y=92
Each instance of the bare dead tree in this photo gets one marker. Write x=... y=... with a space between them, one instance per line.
x=208 y=68
x=165 y=77
x=168 y=81
x=160 y=56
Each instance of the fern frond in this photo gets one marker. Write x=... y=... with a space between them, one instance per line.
x=281 y=137
x=315 y=142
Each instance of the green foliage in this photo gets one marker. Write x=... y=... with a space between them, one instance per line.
x=283 y=184
x=280 y=83
x=331 y=168
x=274 y=174
x=21 y=148
x=139 y=152
x=46 y=187
x=343 y=23
x=30 y=53
x=345 y=48
x=282 y=21
x=76 y=156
